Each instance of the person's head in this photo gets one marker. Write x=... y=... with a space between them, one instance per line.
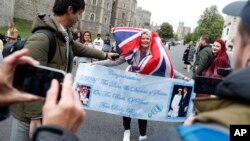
x=84 y=91
x=219 y=47
x=107 y=36
x=163 y=41
x=204 y=40
x=179 y=91
x=79 y=34
x=194 y=43
x=185 y=89
x=11 y=25
x=98 y=35
x=71 y=9
x=241 y=57
x=87 y=36
x=76 y=34
x=145 y=39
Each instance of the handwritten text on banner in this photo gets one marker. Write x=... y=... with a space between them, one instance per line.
x=130 y=94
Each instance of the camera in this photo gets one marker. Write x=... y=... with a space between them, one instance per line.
x=224 y=71
x=207 y=85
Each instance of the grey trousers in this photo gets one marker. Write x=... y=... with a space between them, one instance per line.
x=19 y=130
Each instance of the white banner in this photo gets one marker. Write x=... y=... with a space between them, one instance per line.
x=133 y=95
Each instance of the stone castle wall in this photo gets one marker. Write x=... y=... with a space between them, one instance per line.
x=28 y=9
x=6 y=11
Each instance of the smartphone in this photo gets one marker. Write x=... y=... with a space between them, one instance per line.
x=36 y=79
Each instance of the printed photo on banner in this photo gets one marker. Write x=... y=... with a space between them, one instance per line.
x=180 y=101
x=84 y=93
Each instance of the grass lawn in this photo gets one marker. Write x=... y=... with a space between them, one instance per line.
x=23 y=27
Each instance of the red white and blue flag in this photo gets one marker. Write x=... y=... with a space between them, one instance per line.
x=158 y=63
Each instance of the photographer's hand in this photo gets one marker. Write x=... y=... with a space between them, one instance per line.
x=67 y=112
x=8 y=94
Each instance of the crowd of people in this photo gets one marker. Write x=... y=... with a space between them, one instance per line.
x=39 y=120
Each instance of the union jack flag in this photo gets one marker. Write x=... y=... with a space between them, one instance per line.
x=157 y=63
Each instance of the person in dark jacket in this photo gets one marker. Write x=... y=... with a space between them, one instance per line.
x=107 y=47
x=185 y=57
x=27 y=116
x=54 y=127
x=231 y=106
x=203 y=57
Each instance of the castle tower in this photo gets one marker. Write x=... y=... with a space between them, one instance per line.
x=96 y=16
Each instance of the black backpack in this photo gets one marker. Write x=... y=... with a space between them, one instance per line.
x=9 y=48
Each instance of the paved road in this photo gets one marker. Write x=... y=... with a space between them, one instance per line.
x=107 y=127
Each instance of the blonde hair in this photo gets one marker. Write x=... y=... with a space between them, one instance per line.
x=147 y=32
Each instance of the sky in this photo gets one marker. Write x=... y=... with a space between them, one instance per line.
x=174 y=11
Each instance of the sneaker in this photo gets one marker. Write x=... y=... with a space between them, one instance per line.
x=142 y=138
x=126 y=135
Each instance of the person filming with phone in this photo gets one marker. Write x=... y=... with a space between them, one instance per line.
x=53 y=127
x=66 y=13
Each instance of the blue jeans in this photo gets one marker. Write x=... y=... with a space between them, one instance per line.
x=19 y=130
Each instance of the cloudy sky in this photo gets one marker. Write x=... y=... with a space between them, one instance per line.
x=173 y=11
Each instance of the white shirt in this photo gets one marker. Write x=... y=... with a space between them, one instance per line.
x=98 y=44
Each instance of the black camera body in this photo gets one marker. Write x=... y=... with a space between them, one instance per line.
x=224 y=71
x=208 y=85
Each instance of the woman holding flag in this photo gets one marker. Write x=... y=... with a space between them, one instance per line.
x=145 y=54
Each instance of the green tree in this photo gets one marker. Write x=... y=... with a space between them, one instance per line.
x=166 y=31
x=188 y=37
x=210 y=23
x=175 y=37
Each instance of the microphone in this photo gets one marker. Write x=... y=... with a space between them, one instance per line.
x=118 y=55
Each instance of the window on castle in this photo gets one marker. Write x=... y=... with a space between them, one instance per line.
x=92 y=17
x=94 y=2
x=123 y=15
x=107 y=5
x=106 y=20
x=227 y=31
x=124 y=5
